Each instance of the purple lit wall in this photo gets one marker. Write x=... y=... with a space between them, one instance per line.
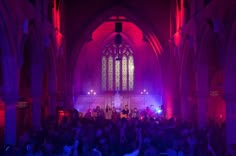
x=87 y=73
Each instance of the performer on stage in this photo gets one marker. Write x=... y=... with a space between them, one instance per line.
x=134 y=113
x=125 y=112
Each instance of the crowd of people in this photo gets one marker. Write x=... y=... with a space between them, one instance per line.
x=116 y=135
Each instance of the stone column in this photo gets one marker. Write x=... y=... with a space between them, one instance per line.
x=10 y=120
x=202 y=110
x=37 y=112
x=202 y=94
x=52 y=105
x=230 y=120
x=184 y=107
x=10 y=92
x=52 y=91
x=36 y=93
x=184 y=99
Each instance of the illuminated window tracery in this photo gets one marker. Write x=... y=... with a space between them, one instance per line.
x=124 y=73
x=131 y=72
x=110 y=73
x=104 y=73
x=117 y=68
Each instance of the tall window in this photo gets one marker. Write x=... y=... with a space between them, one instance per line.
x=117 y=68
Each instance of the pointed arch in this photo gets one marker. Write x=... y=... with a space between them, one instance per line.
x=84 y=34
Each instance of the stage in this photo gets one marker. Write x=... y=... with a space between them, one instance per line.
x=84 y=102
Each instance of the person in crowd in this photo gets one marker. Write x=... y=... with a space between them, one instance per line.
x=120 y=137
x=134 y=113
x=108 y=112
x=125 y=112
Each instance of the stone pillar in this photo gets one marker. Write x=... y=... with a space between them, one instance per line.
x=230 y=121
x=10 y=92
x=202 y=94
x=52 y=105
x=10 y=120
x=184 y=99
x=202 y=110
x=37 y=112
x=184 y=107
x=177 y=106
x=36 y=93
x=52 y=91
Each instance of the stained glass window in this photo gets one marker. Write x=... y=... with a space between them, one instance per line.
x=117 y=71
x=110 y=73
x=117 y=74
x=104 y=73
x=131 y=73
x=124 y=73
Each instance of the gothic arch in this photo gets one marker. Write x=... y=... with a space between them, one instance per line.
x=210 y=64
x=117 y=10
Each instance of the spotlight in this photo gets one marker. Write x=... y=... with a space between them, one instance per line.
x=159 y=110
x=118 y=27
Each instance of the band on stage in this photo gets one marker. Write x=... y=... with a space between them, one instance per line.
x=124 y=113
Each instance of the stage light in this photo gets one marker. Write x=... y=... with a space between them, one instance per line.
x=92 y=92
x=158 y=110
x=144 y=92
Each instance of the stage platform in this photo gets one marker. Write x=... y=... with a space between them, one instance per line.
x=84 y=102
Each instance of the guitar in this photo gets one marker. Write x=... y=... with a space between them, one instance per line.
x=122 y=115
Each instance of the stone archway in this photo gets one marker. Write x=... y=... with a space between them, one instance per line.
x=150 y=37
x=209 y=64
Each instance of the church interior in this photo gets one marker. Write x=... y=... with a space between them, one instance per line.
x=158 y=73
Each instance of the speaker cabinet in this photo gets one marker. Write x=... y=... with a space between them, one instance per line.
x=118 y=27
